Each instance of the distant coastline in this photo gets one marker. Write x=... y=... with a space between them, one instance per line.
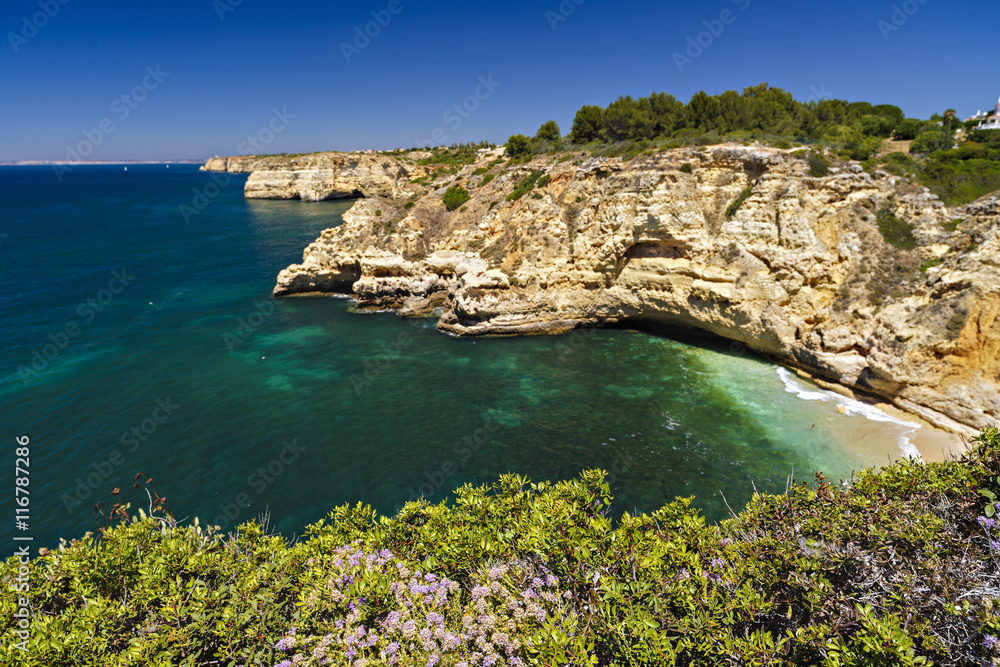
x=43 y=163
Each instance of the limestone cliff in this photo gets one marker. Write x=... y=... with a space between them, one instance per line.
x=738 y=241
x=331 y=176
x=243 y=164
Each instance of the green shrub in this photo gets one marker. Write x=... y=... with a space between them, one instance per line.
x=549 y=131
x=686 y=168
x=518 y=146
x=480 y=171
x=957 y=322
x=487 y=178
x=378 y=213
x=455 y=197
x=931 y=141
x=543 y=181
x=524 y=186
x=408 y=205
x=735 y=206
x=896 y=232
x=819 y=166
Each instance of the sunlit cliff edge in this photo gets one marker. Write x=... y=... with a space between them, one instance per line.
x=739 y=241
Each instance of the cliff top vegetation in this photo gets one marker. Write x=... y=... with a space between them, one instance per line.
x=897 y=566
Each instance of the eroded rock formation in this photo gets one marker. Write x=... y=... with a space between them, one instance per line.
x=738 y=241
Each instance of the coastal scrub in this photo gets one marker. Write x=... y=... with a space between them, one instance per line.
x=899 y=566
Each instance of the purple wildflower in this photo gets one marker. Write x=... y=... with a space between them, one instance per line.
x=990 y=642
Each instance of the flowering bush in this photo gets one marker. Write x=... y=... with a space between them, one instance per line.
x=431 y=621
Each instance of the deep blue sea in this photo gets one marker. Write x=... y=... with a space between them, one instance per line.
x=133 y=340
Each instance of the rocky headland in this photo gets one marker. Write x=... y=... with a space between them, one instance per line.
x=865 y=281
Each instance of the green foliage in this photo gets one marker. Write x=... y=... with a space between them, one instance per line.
x=881 y=571
x=487 y=178
x=543 y=181
x=480 y=171
x=957 y=322
x=686 y=168
x=984 y=136
x=735 y=206
x=933 y=140
x=896 y=232
x=908 y=129
x=964 y=174
x=588 y=125
x=455 y=197
x=549 y=131
x=408 y=205
x=819 y=166
x=518 y=145
x=456 y=154
x=525 y=185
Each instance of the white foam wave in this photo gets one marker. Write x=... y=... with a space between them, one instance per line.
x=852 y=407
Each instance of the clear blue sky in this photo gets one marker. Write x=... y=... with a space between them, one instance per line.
x=226 y=76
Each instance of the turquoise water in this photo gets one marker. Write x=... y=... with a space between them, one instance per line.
x=181 y=367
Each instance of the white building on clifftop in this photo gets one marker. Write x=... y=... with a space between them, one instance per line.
x=989 y=120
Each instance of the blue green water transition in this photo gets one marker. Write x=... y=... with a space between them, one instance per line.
x=135 y=339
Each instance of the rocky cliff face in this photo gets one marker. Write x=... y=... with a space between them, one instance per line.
x=738 y=241
x=234 y=165
x=331 y=176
